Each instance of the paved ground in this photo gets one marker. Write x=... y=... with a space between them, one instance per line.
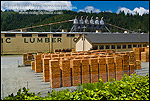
x=14 y=77
x=144 y=69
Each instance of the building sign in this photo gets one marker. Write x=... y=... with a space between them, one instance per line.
x=7 y=40
x=37 y=40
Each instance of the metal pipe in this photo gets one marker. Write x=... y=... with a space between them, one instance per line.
x=41 y=25
x=119 y=27
x=107 y=29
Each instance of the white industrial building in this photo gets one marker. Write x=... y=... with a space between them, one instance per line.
x=113 y=41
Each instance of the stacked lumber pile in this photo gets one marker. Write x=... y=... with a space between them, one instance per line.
x=145 y=55
x=27 y=58
x=85 y=71
x=32 y=65
x=61 y=55
x=132 y=69
x=125 y=63
x=110 y=67
x=132 y=58
x=94 y=69
x=69 y=69
x=102 y=69
x=138 y=64
x=29 y=54
x=138 y=52
x=66 y=73
x=76 y=71
x=54 y=74
x=118 y=65
x=46 y=73
x=38 y=63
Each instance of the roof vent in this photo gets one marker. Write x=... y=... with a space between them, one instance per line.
x=125 y=31
x=98 y=31
x=64 y=30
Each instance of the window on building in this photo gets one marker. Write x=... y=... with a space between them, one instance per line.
x=26 y=35
x=70 y=35
x=95 y=47
x=112 y=46
x=42 y=35
x=118 y=46
x=134 y=45
x=57 y=35
x=10 y=35
x=129 y=46
x=101 y=47
x=139 y=45
x=107 y=47
x=124 y=46
x=144 y=45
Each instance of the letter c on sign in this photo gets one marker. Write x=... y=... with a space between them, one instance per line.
x=7 y=40
x=74 y=39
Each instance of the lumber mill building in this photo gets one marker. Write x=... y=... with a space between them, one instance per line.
x=23 y=42
x=19 y=42
x=111 y=41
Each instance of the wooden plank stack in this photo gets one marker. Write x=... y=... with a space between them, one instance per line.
x=68 y=54
x=54 y=74
x=138 y=64
x=42 y=56
x=66 y=73
x=63 y=70
x=54 y=55
x=29 y=55
x=146 y=49
x=125 y=63
x=110 y=67
x=76 y=71
x=61 y=55
x=138 y=52
x=25 y=58
x=38 y=63
x=118 y=65
x=102 y=69
x=46 y=73
x=145 y=55
x=85 y=71
x=94 y=69
x=32 y=65
x=132 y=58
x=47 y=56
x=132 y=68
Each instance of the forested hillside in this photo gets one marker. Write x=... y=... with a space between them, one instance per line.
x=13 y=20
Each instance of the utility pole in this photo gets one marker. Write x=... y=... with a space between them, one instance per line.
x=139 y=37
x=50 y=28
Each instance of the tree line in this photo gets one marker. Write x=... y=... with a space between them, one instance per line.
x=14 y=20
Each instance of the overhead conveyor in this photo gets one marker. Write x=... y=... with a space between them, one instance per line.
x=73 y=27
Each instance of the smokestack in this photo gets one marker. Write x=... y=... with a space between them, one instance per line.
x=92 y=23
x=75 y=24
x=102 y=24
x=97 y=23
